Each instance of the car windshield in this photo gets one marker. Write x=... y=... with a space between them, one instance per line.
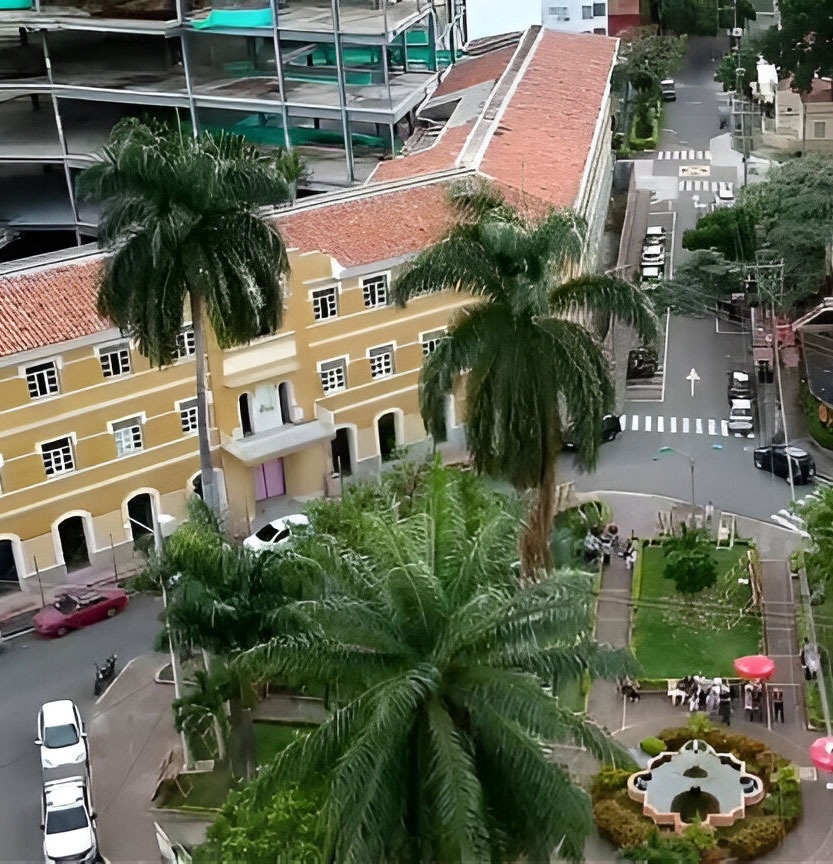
x=60 y=736
x=65 y=605
x=267 y=534
x=70 y=819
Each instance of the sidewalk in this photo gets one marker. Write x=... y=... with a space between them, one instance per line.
x=812 y=841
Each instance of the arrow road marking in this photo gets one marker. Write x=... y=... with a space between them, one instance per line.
x=693 y=377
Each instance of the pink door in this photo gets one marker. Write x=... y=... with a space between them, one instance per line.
x=269 y=480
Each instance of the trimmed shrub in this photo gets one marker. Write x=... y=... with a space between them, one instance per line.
x=652 y=746
x=622 y=827
x=755 y=837
x=608 y=781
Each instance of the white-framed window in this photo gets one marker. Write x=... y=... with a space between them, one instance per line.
x=560 y=13
x=186 y=344
x=819 y=129
x=375 y=290
x=128 y=436
x=188 y=415
x=430 y=340
x=599 y=10
x=586 y=12
x=325 y=303
x=42 y=379
x=58 y=457
x=381 y=361
x=115 y=360
x=333 y=375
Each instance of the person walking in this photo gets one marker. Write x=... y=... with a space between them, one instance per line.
x=748 y=705
x=778 y=704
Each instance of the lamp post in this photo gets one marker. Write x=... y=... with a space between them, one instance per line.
x=671 y=451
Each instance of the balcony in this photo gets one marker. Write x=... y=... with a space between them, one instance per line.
x=280 y=441
x=267 y=359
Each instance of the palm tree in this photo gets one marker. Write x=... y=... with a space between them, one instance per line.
x=181 y=220
x=438 y=749
x=532 y=360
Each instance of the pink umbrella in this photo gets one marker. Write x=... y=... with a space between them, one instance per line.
x=821 y=752
x=755 y=666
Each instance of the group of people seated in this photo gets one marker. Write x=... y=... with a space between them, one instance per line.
x=628 y=688
x=605 y=542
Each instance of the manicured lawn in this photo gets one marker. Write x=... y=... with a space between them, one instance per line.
x=672 y=639
x=272 y=738
x=204 y=791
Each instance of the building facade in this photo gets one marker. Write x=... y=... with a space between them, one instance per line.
x=333 y=394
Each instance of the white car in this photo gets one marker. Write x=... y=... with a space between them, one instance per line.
x=725 y=195
x=650 y=276
x=654 y=234
x=62 y=739
x=68 y=822
x=740 y=416
x=276 y=533
x=653 y=255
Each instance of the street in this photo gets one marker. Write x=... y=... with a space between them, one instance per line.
x=34 y=670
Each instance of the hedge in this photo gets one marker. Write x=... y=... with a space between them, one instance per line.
x=652 y=746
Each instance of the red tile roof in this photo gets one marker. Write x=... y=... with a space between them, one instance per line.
x=50 y=304
x=545 y=134
x=371 y=228
x=475 y=70
x=440 y=156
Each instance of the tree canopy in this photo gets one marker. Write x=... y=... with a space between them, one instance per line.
x=817 y=513
x=727 y=230
x=702 y=280
x=793 y=209
x=437 y=657
x=803 y=43
x=727 y=69
x=533 y=359
x=688 y=561
x=645 y=59
x=702 y=17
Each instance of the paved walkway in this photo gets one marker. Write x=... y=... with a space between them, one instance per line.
x=812 y=841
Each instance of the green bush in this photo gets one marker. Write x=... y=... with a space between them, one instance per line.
x=608 y=781
x=619 y=825
x=784 y=798
x=754 y=837
x=652 y=746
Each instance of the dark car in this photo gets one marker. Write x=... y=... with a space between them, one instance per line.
x=776 y=458
x=77 y=608
x=739 y=386
x=611 y=427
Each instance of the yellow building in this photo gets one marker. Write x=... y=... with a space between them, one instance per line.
x=94 y=445
x=93 y=442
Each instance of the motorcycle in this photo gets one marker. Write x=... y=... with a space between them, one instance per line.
x=104 y=674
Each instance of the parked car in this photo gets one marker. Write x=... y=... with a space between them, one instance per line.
x=68 y=822
x=668 y=89
x=272 y=536
x=740 y=416
x=78 y=608
x=650 y=275
x=774 y=459
x=611 y=427
x=725 y=196
x=739 y=387
x=62 y=739
x=654 y=234
x=653 y=255
x=643 y=362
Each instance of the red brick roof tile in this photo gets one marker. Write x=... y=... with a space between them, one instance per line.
x=475 y=70
x=372 y=228
x=49 y=305
x=440 y=156
x=544 y=136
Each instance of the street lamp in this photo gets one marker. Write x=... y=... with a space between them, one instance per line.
x=671 y=451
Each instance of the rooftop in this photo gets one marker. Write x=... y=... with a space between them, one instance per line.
x=49 y=304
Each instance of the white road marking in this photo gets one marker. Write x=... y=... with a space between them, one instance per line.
x=623 y=422
x=660 y=424
x=685 y=425
x=712 y=426
x=648 y=423
x=724 y=428
x=673 y=425
x=698 y=425
x=635 y=423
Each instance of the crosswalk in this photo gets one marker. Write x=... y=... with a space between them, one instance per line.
x=679 y=426
x=685 y=155
x=699 y=185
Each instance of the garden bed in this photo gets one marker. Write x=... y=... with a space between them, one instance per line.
x=674 y=636
x=273 y=738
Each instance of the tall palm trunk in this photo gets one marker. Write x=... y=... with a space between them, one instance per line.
x=535 y=549
x=209 y=494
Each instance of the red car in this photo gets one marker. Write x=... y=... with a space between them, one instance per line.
x=77 y=608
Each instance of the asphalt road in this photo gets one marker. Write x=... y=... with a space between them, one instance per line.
x=35 y=670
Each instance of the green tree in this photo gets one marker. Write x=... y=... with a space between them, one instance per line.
x=439 y=657
x=646 y=59
x=533 y=361
x=688 y=561
x=180 y=217
x=747 y=58
x=817 y=513
x=802 y=45
x=793 y=209
x=201 y=710
x=283 y=828
x=702 y=17
x=727 y=230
